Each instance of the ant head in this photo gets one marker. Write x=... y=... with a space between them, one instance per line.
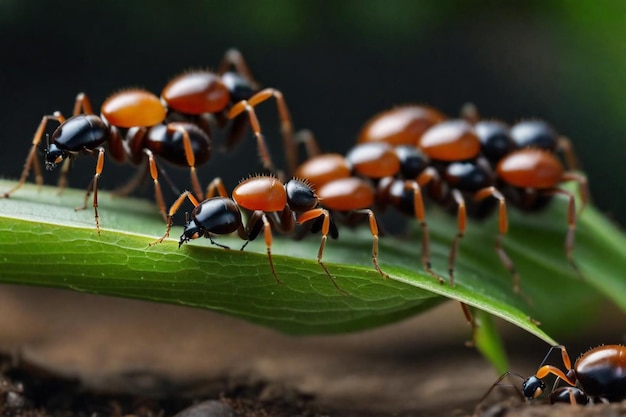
x=533 y=387
x=239 y=87
x=192 y=231
x=300 y=196
x=54 y=156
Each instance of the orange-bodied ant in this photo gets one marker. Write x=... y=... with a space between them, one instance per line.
x=268 y=202
x=598 y=375
x=447 y=147
x=366 y=177
x=203 y=96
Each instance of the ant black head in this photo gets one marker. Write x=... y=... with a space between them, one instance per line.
x=192 y=231
x=534 y=134
x=300 y=196
x=412 y=161
x=533 y=387
x=238 y=86
x=54 y=156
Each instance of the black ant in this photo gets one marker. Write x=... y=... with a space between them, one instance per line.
x=124 y=126
x=598 y=375
x=203 y=96
x=268 y=202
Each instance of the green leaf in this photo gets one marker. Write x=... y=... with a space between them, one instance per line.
x=43 y=241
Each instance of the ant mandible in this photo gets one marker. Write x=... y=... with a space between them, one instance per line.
x=270 y=203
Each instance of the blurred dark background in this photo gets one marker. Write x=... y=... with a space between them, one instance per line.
x=337 y=63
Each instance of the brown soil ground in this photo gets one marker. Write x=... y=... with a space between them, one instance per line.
x=74 y=354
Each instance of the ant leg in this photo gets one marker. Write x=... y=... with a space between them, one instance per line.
x=469 y=317
x=216 y=185
x=94 y=182
x=503 y=228
x=234 y=58
x=571 y=231
x=256 y=128
x=189 y=155
x=267 y=233
x=544 y=370
x=583 y=188
x=82 y=105
x=154 y=173
x=253 y=231
x=469 y=112
x=286 y=127
x=31 y=158
x=306 y=137
x=374 y=230
x=564 y=145
x=418 y=203
x=173 y=209
x=461 y=221
x=494 y=385
x=133 y=183
x=314 y=214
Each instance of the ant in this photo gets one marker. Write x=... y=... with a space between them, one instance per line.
x=531 y=174
x=450 y=149
x=124 y=126
x=366 y=177
x=268 y=202
x=203 y=97
x=597 y=375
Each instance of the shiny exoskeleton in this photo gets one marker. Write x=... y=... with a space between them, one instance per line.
x=445 y=154
x=531 y=176
x=598 y=374
x=369 y=175
x=205 y=97
x=268 y=203
x=130 y=127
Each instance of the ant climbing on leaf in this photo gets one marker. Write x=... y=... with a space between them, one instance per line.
x=267 y=202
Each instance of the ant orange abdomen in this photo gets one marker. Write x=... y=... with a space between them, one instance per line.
x=530 y=168
x=373 y=160
x=261 y=193
x=196 y=92
x=402 y=125
x=324 y=168
x=130 y=108
x=450 y=141
x=347 y=194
